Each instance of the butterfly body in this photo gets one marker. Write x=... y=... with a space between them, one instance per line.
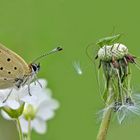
x=27 y=79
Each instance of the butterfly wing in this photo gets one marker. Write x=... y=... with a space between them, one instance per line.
x=12 y=66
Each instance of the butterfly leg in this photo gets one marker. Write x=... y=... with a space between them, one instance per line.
x=29 y=91
x=19 y=82
x=35 y=82
x=38 y=81
x=7 y=96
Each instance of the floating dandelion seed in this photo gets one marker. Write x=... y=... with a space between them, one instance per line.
x=77 y=67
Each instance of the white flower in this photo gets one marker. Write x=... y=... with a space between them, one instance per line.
x=40 y=110
x=17 y=97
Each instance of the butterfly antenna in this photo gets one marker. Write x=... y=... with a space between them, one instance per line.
x=46 y=54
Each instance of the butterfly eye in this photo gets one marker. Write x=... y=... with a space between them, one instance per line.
x=35 y=67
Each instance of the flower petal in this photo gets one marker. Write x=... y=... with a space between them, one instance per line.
x=39 y=126
x=41 y=82
x=29 y=99
x=46 y=109
x=13 y=104
x=50 y=104
x=24 y=125
x=46 y=115
x=5 y=115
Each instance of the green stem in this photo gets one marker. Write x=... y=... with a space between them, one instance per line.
x=29 y=130
x=19 y=129
x=105 y=119
x=104 y=125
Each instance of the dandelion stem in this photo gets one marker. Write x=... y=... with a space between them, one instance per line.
x=104 y=125
x=29 y=130
x=106 y=118
x=19 y=129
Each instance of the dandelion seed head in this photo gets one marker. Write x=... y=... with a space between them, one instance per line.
x=116 y=50
x=114 y=60
x=77 y=67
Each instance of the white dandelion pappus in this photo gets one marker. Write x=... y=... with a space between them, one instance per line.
x=41 y=110
x=100 y=114
x=129 y=109
x=77 y=67
x=126 y=111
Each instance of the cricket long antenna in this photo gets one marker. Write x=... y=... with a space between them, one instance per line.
x=46 y=54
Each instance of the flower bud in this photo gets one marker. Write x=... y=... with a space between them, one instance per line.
x=29 y=112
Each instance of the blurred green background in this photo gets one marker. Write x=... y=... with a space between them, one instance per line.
x=31 y=27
